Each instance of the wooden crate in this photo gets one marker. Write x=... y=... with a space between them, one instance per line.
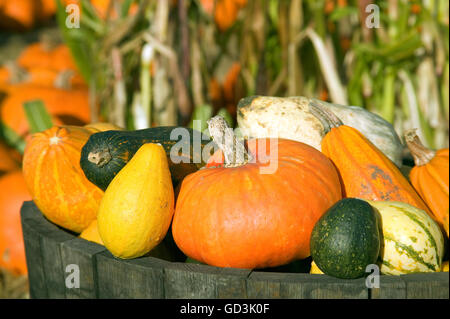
x=50 y=250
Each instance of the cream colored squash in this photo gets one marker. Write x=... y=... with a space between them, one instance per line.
x=413 y=241
x=291 y=118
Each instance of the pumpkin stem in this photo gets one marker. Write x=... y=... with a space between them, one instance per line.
x=100 y=158
x=18 y=74
x=325 y=116
x=63 y=78
x=233 y=149
x=421 y=154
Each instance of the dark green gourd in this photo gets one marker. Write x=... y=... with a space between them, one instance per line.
x=346 y=239
x=106 y=153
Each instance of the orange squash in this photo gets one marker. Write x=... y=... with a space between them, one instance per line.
x=51 y=167
x=18 y=14
x=46 y=55
x=13 y=193
x=430 y=177
x=365 y=171
x=238 y=216
x=69 y=107
x=7 y=162
x=225 y=14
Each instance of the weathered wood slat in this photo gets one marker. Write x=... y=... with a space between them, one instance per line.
x=135 y=278
x=30 y=218
x=427 y=285
x=202 y=281
x=391 y=287
x=81 y=253
x=50 y=249
x=303 y=286
x=49 y=237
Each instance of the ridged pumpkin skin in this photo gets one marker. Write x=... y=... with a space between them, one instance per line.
x=54 y=177
x=138 y=206
x=430 y=178
x=13 y=192
x=365 y=171
x=238 y=217
x=413 y=241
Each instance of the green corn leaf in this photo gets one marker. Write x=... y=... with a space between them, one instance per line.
x=76 y=40
x=11 y=138
x=37 y=116
x=227 y=116
x=125 y=7
x=201 y=113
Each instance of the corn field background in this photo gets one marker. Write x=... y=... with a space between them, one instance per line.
x=178 y=60
x=170 y=62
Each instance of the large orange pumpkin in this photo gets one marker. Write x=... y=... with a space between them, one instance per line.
x=13 y=193
x=365 y=171
x=51 y=167
x=430 y=177
x=66 y=106
x=240 y=217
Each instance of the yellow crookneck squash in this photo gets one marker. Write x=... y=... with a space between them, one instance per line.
x=364 y=170
x=136 y=211
x=430 y=177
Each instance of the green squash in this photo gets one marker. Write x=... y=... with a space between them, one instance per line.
x=346 y=239
x=106 y=153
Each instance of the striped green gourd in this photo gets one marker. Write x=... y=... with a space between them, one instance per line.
x=413 y=241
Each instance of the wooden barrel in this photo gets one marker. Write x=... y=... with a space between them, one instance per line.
x=52 y=253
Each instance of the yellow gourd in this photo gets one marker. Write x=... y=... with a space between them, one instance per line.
x=444 y=267
x=315 y=270
x=91 y=233
x=136 y=211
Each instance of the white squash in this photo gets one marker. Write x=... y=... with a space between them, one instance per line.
x=291 y=118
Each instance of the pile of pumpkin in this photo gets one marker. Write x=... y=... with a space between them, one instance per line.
x=342 y=201
x=42 y=71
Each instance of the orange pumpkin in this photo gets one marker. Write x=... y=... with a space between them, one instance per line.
x=225 y=14
x=13 y=193
x=365 y=171
x=430 y=177
x=241 y=217
x=69 y=107
x=18 y=14
x=51 y=167
x=7 y=162
x=46 y=55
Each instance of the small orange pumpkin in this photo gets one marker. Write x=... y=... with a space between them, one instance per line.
x=46 y=55
x=365 y=171
x=7 y=162
x=18 y=14
x=66 y=106
x=240 y=217
x=13 y=193
x=430 y=177
x=51 y=167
